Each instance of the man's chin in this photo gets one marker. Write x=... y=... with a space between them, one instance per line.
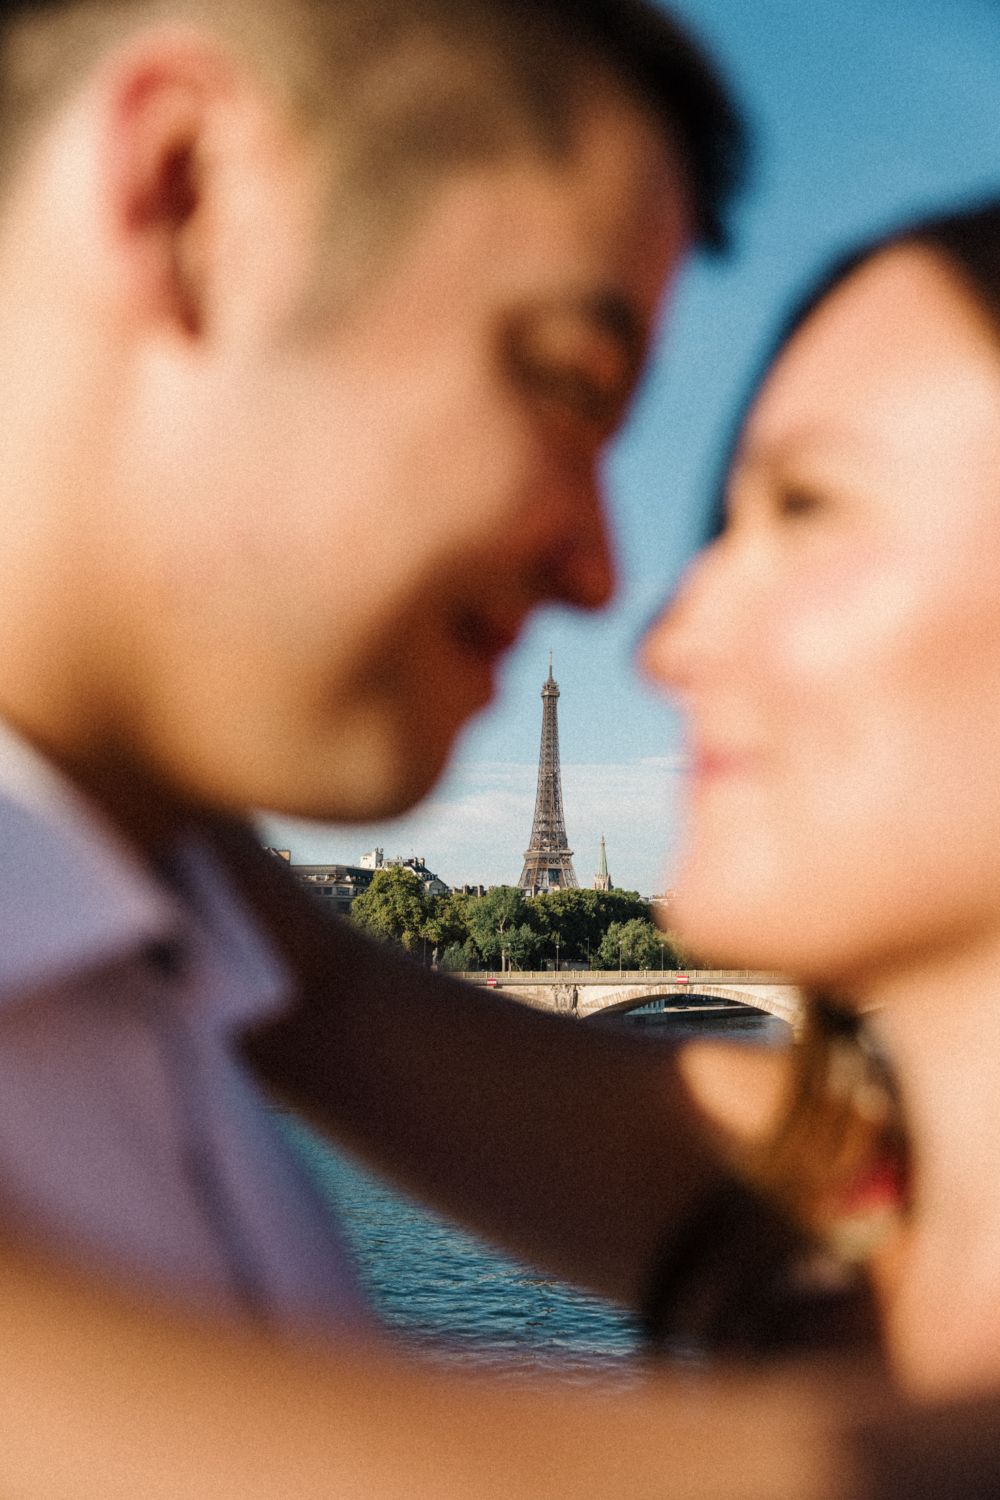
x=365 y=789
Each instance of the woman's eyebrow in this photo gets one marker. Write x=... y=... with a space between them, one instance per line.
x=821 y=439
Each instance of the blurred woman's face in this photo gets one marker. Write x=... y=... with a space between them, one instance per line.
x=837 y=650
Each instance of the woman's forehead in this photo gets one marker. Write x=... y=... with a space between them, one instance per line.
x=901 y=330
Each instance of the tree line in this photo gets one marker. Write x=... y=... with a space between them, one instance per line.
x=503 y=928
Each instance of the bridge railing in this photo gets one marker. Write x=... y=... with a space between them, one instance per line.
x=624 y=976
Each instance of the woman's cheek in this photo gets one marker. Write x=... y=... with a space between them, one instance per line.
x=844 y=624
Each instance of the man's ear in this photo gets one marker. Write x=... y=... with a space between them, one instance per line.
x=195 y=172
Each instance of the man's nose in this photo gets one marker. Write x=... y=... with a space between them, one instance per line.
x=581 y=567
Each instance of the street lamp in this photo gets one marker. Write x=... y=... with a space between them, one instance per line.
x=557 y=955
x=661 y=958
x=619 y=958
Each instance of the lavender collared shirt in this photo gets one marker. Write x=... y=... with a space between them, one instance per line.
x=132 y=1141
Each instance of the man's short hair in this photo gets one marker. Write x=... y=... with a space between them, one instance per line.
x=413 y=87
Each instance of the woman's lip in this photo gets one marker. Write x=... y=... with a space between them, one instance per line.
x=719 y=765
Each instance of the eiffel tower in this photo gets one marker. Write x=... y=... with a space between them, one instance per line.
x=548 y=863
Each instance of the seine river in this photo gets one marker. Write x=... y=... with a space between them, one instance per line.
x=447 y=1293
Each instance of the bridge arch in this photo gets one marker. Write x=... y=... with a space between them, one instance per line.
x=590 y=993
x=671 y=992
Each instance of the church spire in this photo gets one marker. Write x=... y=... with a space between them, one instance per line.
x=602 y=880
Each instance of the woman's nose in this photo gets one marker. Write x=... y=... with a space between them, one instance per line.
x=684 y=637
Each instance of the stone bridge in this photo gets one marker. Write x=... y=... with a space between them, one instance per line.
x=584 y=993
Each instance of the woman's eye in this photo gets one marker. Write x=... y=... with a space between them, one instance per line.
x=794 y=502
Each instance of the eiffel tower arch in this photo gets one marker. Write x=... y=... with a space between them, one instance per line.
x=548 y=862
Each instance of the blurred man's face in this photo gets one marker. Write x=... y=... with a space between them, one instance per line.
x=329 y=545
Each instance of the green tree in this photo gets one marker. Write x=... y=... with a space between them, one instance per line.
x=635 y=944
x=394 y=908
x=503 y=921
x=522 y=946
x=581 y=919
x=461 y=958
x=678 y=957
x=447 y=924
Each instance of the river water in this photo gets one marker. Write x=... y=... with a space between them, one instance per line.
x=448 y=1294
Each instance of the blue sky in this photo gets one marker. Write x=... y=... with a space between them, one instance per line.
x=862 y=111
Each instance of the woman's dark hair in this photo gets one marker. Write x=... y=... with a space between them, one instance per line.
x=968 y=240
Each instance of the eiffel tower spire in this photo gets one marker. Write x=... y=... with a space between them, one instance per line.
x=548 y=863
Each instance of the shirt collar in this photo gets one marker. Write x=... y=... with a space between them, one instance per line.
x=73 y=895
